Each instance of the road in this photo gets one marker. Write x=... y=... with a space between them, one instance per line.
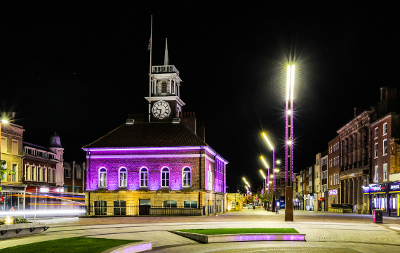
x=324 y=231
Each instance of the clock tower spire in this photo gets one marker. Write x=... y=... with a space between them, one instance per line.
x=165 y=91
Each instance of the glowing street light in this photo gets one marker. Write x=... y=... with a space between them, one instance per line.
x=262 y=174
x=265 y=180
x=266 y=165
x=273 y=158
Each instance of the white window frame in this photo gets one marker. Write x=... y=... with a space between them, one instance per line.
x=165 y=182
x=44 y=176
x=144 y=183
x=376 y=148
x=102 y=177
x=33 y=173
x=27 y=172
x=384 y=129
x=78 y=174
x=385 y=147
x=385 y=174
x=186 y=182
x=3 y=146
x=376 y=133
x=49 y=175
x=376 y=177
x=122 y=181
x=14 y=148
x=40 y=171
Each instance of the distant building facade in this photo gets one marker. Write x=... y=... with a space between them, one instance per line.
x=12 y=194
x=74 y=177
x=334 y=171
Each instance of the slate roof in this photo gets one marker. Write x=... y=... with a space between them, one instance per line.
x=149 y=134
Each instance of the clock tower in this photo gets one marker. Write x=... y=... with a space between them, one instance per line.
x=164 y=98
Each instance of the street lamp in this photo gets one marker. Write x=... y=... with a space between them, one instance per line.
x=247 y=187
x=289 y=125
x=265 y=180
x=266 y=165
x=289 y=143
x=273 y=158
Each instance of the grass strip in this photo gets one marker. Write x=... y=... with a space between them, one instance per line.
x=221 y=231
x=67 y=245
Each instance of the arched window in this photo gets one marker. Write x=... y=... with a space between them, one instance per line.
x=165 y=177
x=186 y=177
x=144 y=177
x=123 y=175
x=102 y=177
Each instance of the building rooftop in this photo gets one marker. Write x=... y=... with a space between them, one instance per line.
x=148 y=134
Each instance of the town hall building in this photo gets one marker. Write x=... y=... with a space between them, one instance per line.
x=159 y=167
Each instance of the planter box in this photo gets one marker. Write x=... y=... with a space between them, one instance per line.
x=241 y=237
x=14 y=230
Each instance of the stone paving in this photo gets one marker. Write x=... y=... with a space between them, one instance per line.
x=324 y=231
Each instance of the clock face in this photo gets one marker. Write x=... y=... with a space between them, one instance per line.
x=161 y=109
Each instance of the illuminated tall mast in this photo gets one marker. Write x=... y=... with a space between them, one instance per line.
x=289 y=126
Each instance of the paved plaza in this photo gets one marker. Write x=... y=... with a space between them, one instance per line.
x=324 y=232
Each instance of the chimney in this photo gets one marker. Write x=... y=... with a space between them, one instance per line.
x=189 y=120
x=201 y=131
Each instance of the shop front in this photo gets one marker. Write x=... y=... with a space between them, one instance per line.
x=378 y=197
x=12 y=198
x=393 y=195
x=333 y=197
x=321 y=199
x=308 y=202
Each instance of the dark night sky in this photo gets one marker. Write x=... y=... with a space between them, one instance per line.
x=81 y=68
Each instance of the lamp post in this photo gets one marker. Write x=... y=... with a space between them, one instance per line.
x=273 y=158
x=266 y=165
x=265 y=180
x=248 y=188
x=289 y=143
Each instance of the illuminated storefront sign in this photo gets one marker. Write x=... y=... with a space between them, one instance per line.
x=332 y=192
x=395 y=186
x=377 y=188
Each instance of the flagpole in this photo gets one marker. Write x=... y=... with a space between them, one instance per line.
x=151 y=49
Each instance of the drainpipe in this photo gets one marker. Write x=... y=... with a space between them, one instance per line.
x=89 y=178
x=215 y=184
x=200 y=185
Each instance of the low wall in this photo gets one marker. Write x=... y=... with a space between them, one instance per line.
x=22 y=229
x=241 y=237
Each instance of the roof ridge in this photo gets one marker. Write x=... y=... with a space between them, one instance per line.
x=104 y=136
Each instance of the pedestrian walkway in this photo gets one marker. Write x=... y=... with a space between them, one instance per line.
x=323 y=232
